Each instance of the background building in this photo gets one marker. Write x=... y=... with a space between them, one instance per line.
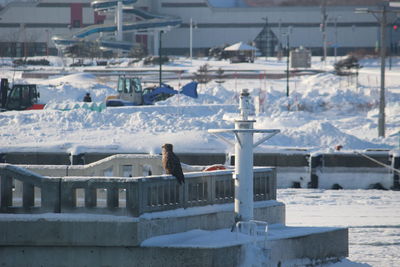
x=26 y=27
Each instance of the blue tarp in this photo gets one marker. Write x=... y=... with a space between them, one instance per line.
x=190 y=89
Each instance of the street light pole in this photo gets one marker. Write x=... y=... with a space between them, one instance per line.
x=382 y=19
x=324 y=19
x=336 y=38
x=191 y=39
x=287 y=64
x=382 y=104
x=47 y=42
x=160 y=55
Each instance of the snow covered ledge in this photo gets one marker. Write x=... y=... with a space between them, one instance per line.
x=282 y=246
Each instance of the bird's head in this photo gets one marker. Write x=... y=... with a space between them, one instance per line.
x=167 y=147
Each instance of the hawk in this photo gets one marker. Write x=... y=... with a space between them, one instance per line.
x=171 y=163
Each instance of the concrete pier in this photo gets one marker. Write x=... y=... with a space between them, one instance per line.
x=107 y=221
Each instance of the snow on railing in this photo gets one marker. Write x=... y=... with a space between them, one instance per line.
x=23 y=191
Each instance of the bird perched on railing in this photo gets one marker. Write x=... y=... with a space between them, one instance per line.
x=171 y=163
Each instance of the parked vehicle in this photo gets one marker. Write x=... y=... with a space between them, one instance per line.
x=131 y=92
x=19 y=96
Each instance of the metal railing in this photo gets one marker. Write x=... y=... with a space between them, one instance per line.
x=122 y=196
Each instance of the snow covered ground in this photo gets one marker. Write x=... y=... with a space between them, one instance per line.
x=322 y=111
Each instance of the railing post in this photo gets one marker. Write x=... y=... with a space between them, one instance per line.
x=112 y=197
x=183 y=194
x=6 y=190
x=315 y=164
x=2 y=158
x=396 y=176
x=211 y=189
x=273 y=184
x=28 y=195
x=77 y=159
x=133 y=198
x=90 y=197
x=51 y=195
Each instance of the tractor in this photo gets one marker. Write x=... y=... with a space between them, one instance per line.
x=131 y=92
x=19 y=96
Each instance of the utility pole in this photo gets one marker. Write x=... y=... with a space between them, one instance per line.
x=191 y=39
x=381 y=16
x=287 y=63
x=280 y=40
x=160 y=56
x=336 y=36
x=119 y=21
x=289 y=31
x=324 y=19
x=382 y=104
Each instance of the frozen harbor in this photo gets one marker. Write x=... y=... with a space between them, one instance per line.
x=372 y=216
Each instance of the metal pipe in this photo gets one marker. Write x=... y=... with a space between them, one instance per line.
x=381 y=121
x=191 y=39
x=119 y=18
x=378 y=162
x=324 y=18
x=160 y=56
x=287 y=64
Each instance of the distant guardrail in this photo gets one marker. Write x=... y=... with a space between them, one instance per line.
x=23 y=191
x=295 y=168
x=120 y=165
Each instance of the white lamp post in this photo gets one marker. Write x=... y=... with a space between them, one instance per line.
x=243 y=175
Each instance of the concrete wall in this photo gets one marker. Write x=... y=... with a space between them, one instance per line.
x=44 y=240
x=25 y=256
x=105 y=230
x=316 y=246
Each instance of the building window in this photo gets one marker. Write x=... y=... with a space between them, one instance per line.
x=76 y=23
x=76 y=15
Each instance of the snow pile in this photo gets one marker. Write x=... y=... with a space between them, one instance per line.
x=321 y=112
x=72 y=88
x=217 y=94
x=322 y=92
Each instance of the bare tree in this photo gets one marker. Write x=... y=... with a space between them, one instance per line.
x=203 y=74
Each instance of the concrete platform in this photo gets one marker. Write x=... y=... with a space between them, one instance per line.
x=281 y=246
x=65 y=229
x=284 y=246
